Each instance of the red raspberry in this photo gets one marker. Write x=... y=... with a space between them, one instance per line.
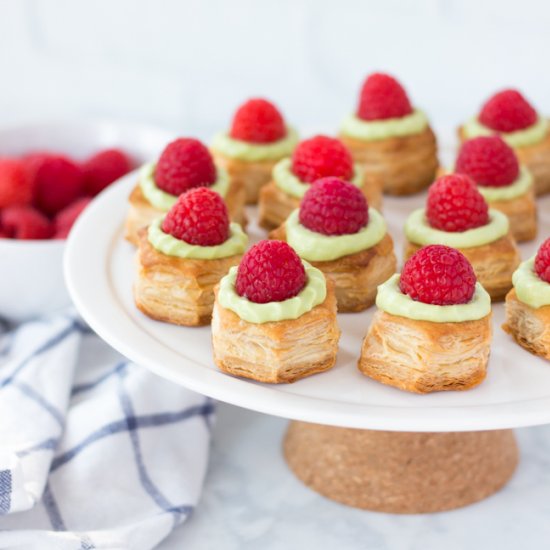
x=184 y=164
x=103 y=168
x=542 y=261
x=258 y=121
x=454 y=204
x=24 y=222
x=438 y=275
x=382 y=97
x=489 y=161
x=15 y=183
x=57 y=181
x=320 y=157
x=270 y=272
x=332 y=206
x=198 y=217
x=65 y=219
x=507 y=111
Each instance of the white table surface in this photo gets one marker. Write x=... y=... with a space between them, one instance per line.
x=252 y=501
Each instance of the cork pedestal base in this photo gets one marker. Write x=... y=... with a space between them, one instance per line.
x=400 y=472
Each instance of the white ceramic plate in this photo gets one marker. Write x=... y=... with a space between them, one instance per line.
x=99 y=269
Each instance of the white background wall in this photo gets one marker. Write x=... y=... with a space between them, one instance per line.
x=186 y=64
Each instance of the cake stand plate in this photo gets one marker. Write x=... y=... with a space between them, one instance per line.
x=99 y=269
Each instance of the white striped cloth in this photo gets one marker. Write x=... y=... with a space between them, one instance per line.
x=95 y=451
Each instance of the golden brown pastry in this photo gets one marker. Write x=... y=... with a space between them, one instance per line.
x=528 y=304
x=422 y=356
x=432 y=330
x=522 y=213
x=529 y=326
x=178 y=264
x=356 y=276
x=277 y=352
x=257 y=140
x=391 y=139
x=274 y=317
x=510 y=115
x=401 y=165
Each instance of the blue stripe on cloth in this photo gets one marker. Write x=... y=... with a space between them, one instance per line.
x=146 y=421
x=46 y=346
x=52 y=509
x=79 y=388
x=47 y=444
x=31 y=393
x=147 y=483
x=5 y=491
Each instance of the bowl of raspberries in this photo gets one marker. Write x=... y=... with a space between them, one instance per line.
x=49 y=173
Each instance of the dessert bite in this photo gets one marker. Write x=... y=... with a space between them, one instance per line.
x=510 y=115
x=505 y=185
x=432 y=330
x=314 y=158
x=335 y=230
x=183 y=165
x=183 y=255
x=274 y=317
x=390 y=138
x=257 y=140
x=528 y=304
x=457 y=215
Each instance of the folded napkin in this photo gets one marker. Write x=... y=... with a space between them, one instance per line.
x=95 y=451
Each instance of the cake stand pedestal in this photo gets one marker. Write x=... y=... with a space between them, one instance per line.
x=400 y=472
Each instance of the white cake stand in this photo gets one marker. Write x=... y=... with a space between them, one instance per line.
x=353 y=439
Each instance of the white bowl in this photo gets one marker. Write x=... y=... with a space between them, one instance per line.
x=31 y=274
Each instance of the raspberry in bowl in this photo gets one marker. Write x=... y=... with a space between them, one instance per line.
x=457 y=215
x=314 y=158
x=34 y=225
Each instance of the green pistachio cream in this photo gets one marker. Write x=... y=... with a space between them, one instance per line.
x=530 y=288
x=518 y=188
x=164 y=201
x=315 y=247
x=520 y=138
x=255 y=152
x=286 y=180
x=313 y=294
x=419 y=231
x=372 y=130
x=391 y=300
x=170 y=246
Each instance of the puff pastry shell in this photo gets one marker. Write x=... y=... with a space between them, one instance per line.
x=423 y=356
x=530 y=327
x=177 y=290
x=493 y=263
x=401 y=165
x=356 y=276
x=276 y=352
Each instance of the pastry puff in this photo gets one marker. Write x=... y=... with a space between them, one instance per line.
x=141 y=212
x=529 y=326
x=425 y=356
x=177 y=290
x=356 y=276
x=535 y=157
x=251 y=175
x=276 y=351
x=276 y=205
x=401 y=165
x=493 y=263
